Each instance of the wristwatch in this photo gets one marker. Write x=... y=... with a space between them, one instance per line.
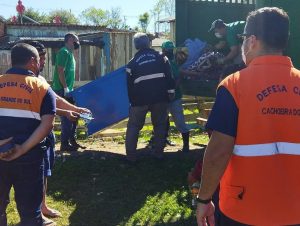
x=203 y=201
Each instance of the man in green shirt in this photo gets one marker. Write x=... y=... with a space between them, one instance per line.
x=63 y=83
x=175 y=106
x=231 y=34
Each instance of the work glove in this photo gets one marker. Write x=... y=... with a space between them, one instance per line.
x=66 y=91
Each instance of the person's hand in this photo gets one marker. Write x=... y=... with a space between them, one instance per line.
x=66 y=91
x=205 y=214
x=3 y=142
x=72 y=115
x=83 y=110
x=14 y=153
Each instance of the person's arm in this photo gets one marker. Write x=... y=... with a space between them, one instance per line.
x=71 y=115
x=170 y=80
x=234 y=51
x=184 y=73
x=130 y=82
x=36 y=137
x=220 y=45
x=61 y=63
x=223 y=121
x=61 y=76
x=64 y=105
x=216 y=158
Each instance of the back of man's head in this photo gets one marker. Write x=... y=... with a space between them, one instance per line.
x=68 y=36
x=22 y=53
x=270 y=25
x=39 y=46
x=141 y=41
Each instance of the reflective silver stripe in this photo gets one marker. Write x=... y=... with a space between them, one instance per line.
x=128 y=70
x=147 y=77
x=19 y=113
x=171 y=91
x=267 y=149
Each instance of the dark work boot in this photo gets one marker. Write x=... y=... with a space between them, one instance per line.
x=74 y=143
x=185 y=139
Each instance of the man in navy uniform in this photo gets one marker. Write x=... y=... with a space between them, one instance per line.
x=27 y=111
x=150 y=87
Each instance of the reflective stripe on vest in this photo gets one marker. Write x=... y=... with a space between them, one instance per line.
x=267 y=149
x=147 y=77
x=19 y=113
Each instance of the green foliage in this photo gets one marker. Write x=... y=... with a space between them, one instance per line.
x=163 y=8
x=66 y=16
x=95 y=16
x=114 y=18
x=144 y=21
x=100 y=17
x=36 y=15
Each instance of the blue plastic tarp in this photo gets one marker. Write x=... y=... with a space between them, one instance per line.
x=195 y=50
x=106 y=97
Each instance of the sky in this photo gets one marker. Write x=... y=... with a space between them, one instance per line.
x=131 y=9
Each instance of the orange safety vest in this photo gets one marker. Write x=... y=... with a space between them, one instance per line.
x=21 y=96
x=261 y=184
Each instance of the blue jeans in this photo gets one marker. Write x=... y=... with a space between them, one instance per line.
x=49 y=155
x=68 y=128
x=27 y=181
x=176 y=110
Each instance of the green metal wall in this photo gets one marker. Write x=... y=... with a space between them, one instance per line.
x=292 y=8
x=194 y=17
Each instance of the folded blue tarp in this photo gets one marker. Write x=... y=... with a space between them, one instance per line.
x=106 y=97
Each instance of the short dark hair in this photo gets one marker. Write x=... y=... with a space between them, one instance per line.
x=141 y=41
x=270 y=25
x=39 y=46
x=68 y=36
x=21 y=54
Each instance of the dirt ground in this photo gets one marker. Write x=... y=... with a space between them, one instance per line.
x=119 y=147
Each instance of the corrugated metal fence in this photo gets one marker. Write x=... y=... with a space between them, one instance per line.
x=92 y=62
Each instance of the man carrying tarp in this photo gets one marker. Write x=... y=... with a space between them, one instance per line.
x=150 y=86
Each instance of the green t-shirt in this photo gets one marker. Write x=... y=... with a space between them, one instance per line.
x=233 y=30
x=65 y=59
x=175 y=73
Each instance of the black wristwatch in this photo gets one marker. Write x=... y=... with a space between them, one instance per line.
x=203 y=201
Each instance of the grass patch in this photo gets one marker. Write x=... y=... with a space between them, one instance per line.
x=97 y=188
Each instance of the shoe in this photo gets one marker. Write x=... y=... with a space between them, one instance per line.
x=68 y=147
x=47 y=222
x=170 y=143
x=52 y=213
x=76 y=145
